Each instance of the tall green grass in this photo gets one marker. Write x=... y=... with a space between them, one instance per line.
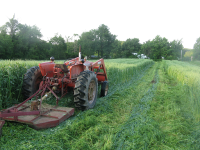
x=189 y=76
x=171 y=113
x=11 y=76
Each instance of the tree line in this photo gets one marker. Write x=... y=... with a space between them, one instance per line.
x=21 y=41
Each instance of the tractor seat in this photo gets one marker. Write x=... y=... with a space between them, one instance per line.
x=63 y=67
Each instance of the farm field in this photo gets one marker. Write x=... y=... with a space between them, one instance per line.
x=150 y=105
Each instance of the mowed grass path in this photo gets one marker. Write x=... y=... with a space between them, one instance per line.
x=147 y=111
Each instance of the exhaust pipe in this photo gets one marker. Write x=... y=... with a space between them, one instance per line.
x=80 y=53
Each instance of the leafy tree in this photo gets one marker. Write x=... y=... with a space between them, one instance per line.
x=131 y=46
x=188 y=54
x=146 y=48
x=160 y=48
x=175 y=49
x=104 y=40
x=197 y=49
x=39 y=51
x=157 y=48
x=3 y=30
x=27 y=39
x=87 y=40
x=6 y=46
x=70 y=47
x=58 y=47
x=116 y=51
x=12 y=26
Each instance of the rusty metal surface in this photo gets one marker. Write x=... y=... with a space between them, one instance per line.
x=75 y=71
x=1 y=125
x=101 y=65
x=49 y=116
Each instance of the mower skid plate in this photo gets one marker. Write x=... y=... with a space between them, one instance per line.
x=49 y=116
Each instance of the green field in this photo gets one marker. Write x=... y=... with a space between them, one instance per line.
x=150 y=105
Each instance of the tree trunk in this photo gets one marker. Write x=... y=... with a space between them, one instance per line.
x=101 y=51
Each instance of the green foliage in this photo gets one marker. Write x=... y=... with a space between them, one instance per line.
x=88 y=42
x=104 y=40
x=172 y=113
x=160 y=47
x=131 y=46
x=58 y=47
x=28 y=39
x=99 y=40
x=188 y=54
x=188 y=76
x=116 y=51
x=20 y=41
x=197 y=49
x=6 y=46
x=175 y=49
x=12 y=26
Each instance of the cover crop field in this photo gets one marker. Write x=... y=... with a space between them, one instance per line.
x=150 y=105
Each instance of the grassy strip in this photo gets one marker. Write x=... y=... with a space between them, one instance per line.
x=188 y=75
x=172 y=115
x=92 y=129
x=140 y=130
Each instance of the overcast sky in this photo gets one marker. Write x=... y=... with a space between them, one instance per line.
x=143 y=19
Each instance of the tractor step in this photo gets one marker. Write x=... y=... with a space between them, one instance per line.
x=49 y=116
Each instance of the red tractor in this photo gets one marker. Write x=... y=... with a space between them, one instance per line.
x=50 y=78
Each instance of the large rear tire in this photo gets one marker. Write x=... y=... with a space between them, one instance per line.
x=85 y=91
x=31 y=82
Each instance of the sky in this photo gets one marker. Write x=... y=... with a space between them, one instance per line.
x=142 y=19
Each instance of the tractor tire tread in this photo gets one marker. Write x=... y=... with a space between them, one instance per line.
x=81 y=90
x=32 y=77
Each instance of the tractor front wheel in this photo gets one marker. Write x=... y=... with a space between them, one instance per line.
x=104 y=88
x=31 y=81
x=85 y=91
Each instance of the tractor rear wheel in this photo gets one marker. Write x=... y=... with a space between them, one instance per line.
x=31 y=81
x=85 y=91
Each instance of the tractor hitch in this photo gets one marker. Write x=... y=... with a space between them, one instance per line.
x=36 y=114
